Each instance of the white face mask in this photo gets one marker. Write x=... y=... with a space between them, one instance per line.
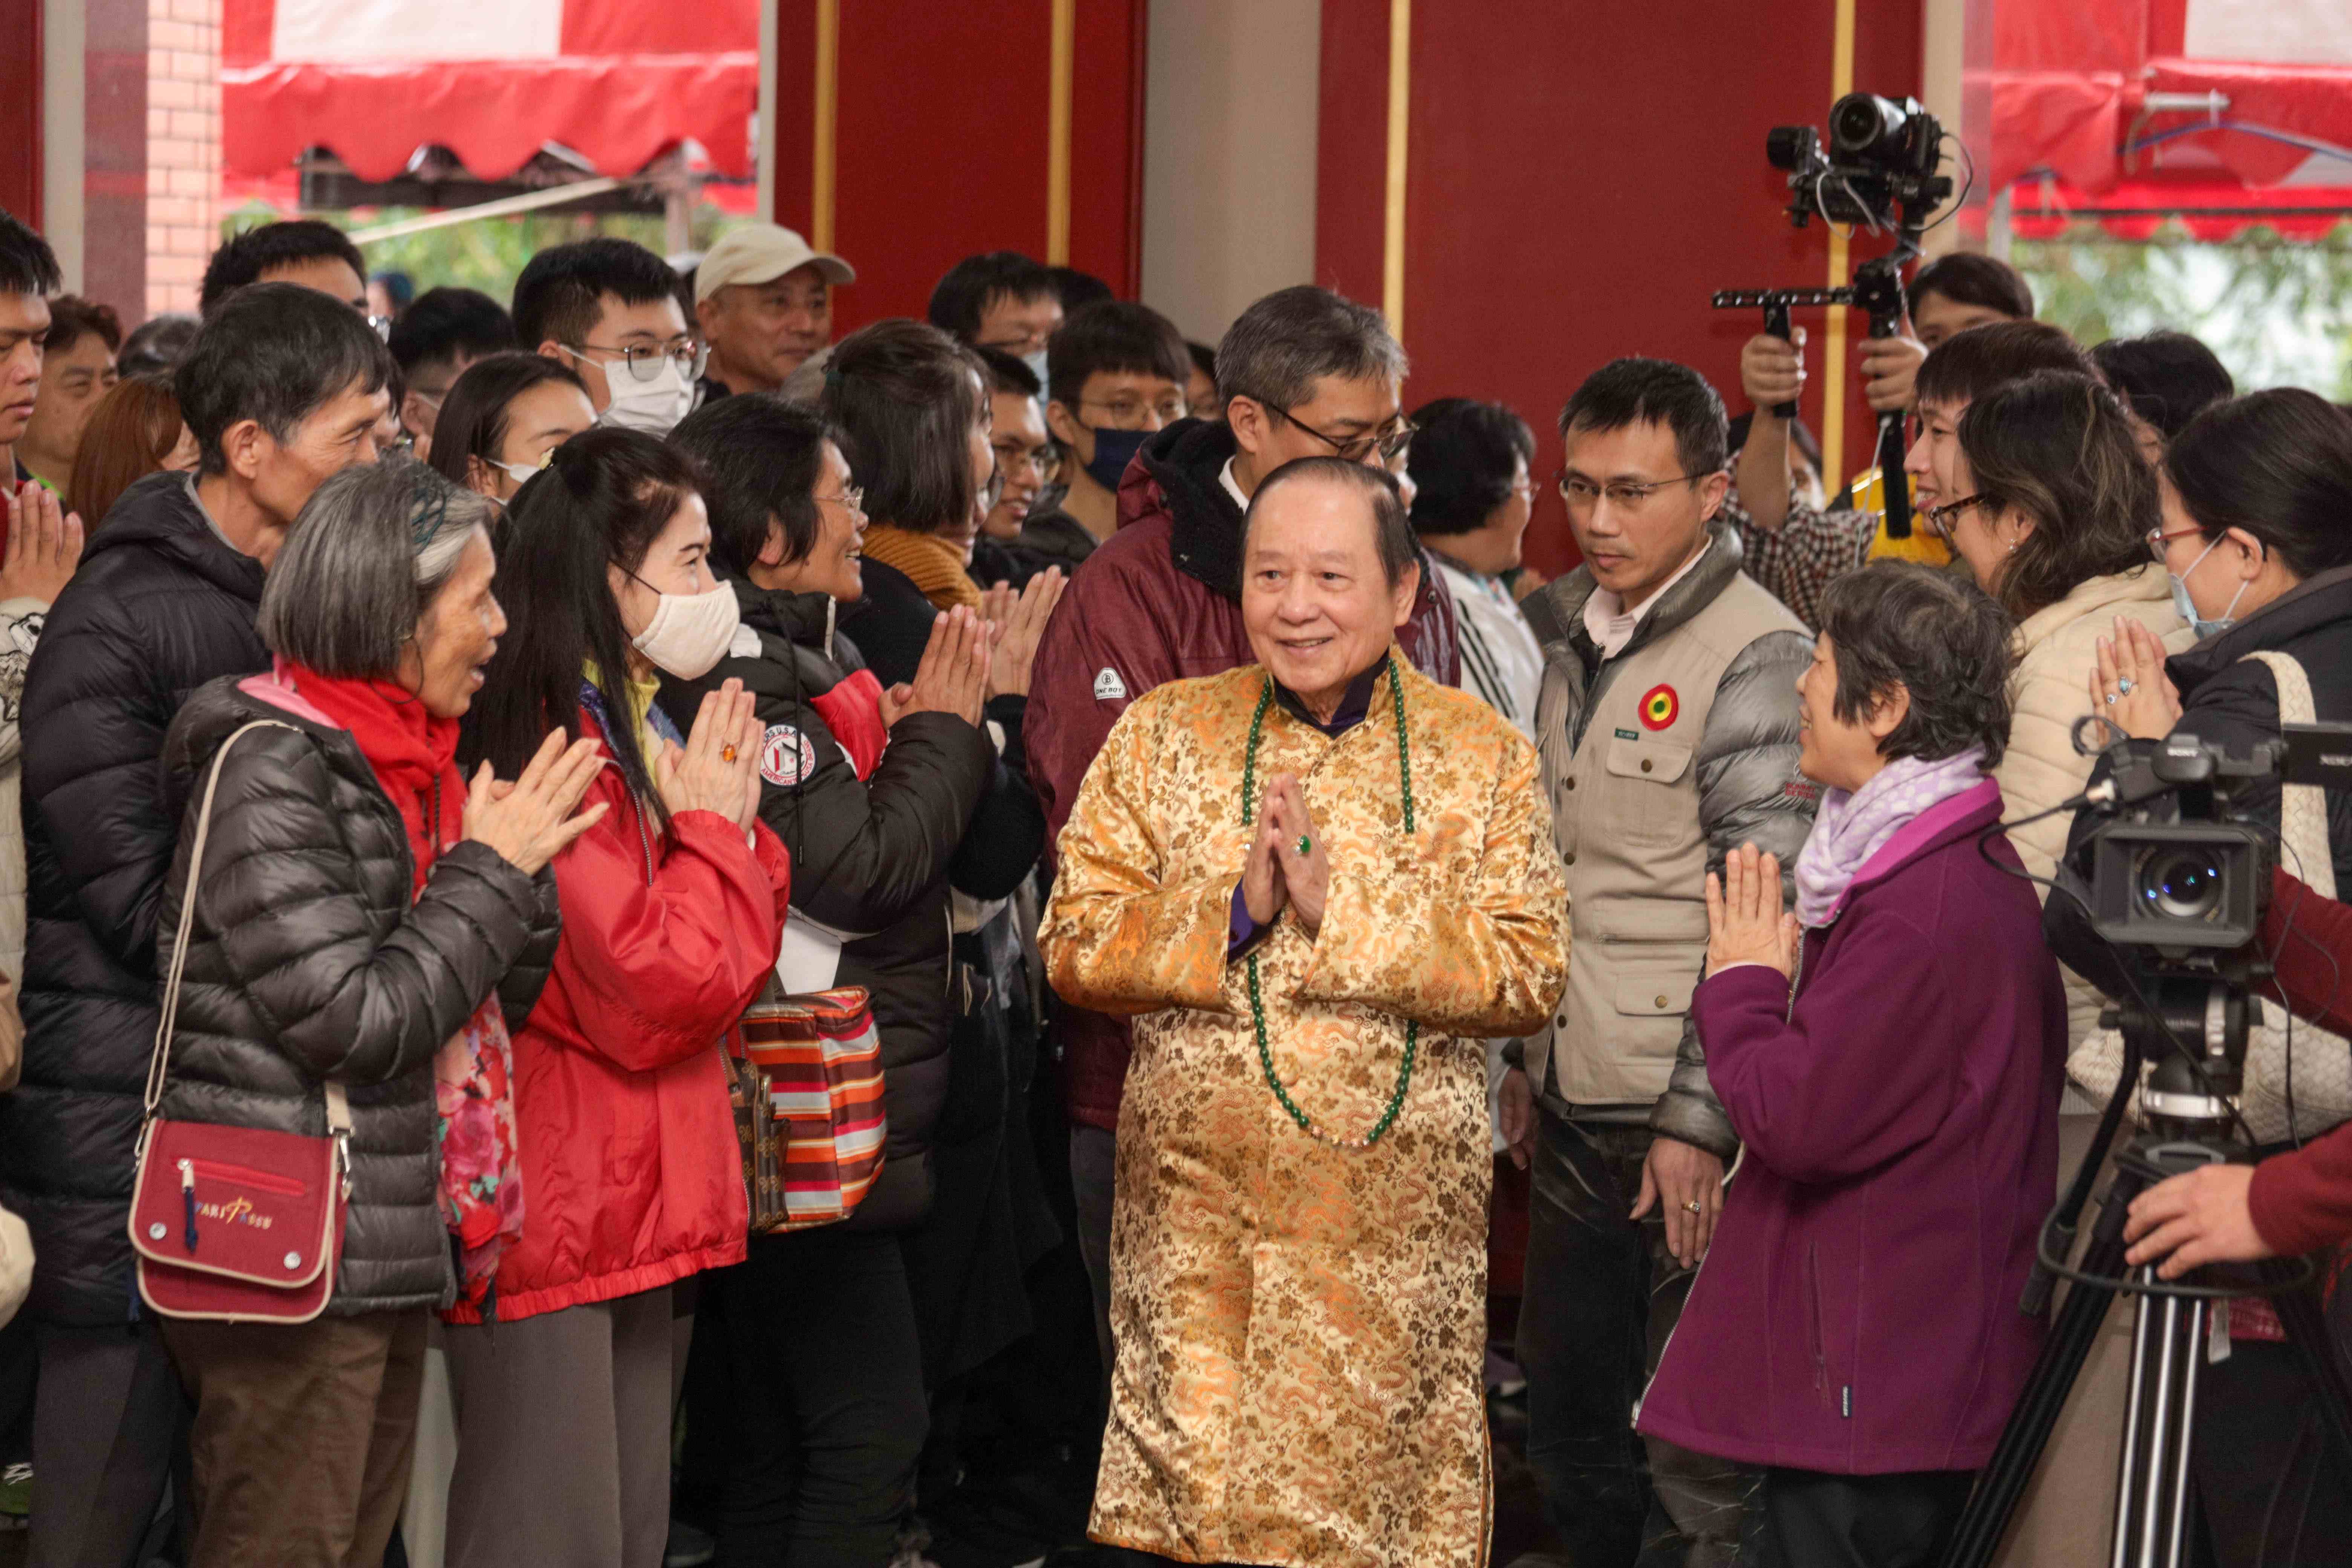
x=652 y=406
x=690 y=632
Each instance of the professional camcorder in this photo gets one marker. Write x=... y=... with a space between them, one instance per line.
x=2177 y=869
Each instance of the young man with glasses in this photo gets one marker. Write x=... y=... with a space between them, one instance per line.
x=442 y=332
x=1114 y=378
x=609 y=308
x=1795 y=549
x=1303 y=373
x=1667 y=725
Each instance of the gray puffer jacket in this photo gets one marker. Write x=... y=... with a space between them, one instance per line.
x=1722 y=660
x=309 y=961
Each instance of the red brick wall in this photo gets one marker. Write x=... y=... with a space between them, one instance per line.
x=184 y=148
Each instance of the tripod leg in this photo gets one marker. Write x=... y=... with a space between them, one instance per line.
x=2004 y=1481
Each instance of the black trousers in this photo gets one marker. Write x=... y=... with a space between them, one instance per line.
x=1602 y=1294
x=805 y=1411
x=2272 y=1487
x=1817 y=1521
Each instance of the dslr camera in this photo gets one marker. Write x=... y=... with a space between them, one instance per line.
x=1879 y=171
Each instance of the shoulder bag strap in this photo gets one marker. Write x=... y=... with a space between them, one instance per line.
x=2303 y=808
x=339 y=1110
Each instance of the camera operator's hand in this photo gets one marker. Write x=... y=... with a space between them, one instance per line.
x=1686 y=1182
x=2128 y=684
x=1888 y=367
x=2201 y=1216
x=1772 y=370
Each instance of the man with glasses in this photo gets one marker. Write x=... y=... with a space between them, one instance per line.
x=442 y=332
x=1668 y=729
x=1114 y=378
x=1303 y=373
x=1796 y=549
x=609 y=308
x=1001 y=300
x=1027 y=469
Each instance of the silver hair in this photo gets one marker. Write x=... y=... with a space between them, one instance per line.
x=372 y=548
x=1277 y=349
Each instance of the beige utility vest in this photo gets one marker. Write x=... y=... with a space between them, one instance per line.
x=1626 y=816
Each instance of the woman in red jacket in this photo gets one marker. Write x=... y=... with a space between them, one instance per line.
x=673 y=906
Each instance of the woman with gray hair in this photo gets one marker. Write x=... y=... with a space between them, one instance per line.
x=363 y=916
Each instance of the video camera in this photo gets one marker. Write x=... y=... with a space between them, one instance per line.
x=2177 y=869
x=1879 y=173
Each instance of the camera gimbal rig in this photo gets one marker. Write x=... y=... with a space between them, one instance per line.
x=1883 y=175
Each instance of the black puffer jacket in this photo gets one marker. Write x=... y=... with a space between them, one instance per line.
x=873 y=859
x=2232 y=700
x=309 y=962
x=160 y=605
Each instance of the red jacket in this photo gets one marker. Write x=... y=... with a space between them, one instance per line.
x=631 y=1177
x=1158 y=601
x=2302 y=1200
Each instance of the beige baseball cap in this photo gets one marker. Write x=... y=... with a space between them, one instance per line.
x=760 y=253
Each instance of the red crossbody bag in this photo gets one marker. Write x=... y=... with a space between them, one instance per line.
x=234 y=1224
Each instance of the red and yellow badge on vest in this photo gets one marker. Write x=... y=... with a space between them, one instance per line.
x=1660 y=707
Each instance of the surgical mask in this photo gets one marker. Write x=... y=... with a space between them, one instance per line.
x=1114 y=449
x=652 y=406
x=1036 y=364
x=2188 y=606
x=522 y=473
x=690 y=632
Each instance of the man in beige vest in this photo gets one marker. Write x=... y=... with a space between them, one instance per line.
x=1668 y=729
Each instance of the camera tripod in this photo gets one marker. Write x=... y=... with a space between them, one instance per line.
x=2188 y=1127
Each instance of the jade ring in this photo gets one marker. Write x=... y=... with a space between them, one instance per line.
x=1305 y=844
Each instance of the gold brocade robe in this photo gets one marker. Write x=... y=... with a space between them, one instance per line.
x=1301 y=1328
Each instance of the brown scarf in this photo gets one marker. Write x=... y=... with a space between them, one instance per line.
x=935 y=564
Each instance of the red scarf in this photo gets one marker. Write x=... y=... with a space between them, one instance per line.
x=406 y=745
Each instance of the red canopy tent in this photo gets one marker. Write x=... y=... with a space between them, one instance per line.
x=617 y=82
x=2222 y=112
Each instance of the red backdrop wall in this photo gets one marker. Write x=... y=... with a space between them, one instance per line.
x=20 y=108
x=1578 y=181
x=940 y=137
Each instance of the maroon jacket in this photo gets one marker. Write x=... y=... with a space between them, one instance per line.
x=1857 y=1312
x=2302 y=1200
x=1158 y=601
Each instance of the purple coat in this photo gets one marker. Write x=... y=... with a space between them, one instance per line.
x=1857 y=1310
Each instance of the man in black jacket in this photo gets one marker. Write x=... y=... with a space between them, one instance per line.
x=281 y=388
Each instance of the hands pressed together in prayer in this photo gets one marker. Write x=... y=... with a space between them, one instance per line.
x=953 y=675
x=718 y=769
x=2128 y=685
x=1286 y=864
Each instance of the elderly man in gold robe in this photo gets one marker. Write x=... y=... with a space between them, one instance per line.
x=1320 y=883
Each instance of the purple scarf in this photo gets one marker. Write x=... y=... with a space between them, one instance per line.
x=1851 y=828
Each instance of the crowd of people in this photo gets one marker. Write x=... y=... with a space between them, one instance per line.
x=1011 y=939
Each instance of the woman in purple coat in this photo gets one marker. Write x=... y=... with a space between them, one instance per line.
x=1891 y=1055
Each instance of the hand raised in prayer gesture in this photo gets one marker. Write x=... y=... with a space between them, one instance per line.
x=1744 y=922
x=1263 y=893
x=2128 y=684
x=1020 y=626
x=718 y=769
x=1306 y=869
x=953 y=674
x=530 y=821
x=44 y=544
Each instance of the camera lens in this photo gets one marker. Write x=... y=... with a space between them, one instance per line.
x=2180 y=884
x=1865 y=126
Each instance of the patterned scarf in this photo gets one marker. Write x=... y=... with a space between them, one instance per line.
x=1852 y=827
x=935 y=564
x=473 y=1076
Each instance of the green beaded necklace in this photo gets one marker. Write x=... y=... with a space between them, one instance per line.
x=1257 y=1007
